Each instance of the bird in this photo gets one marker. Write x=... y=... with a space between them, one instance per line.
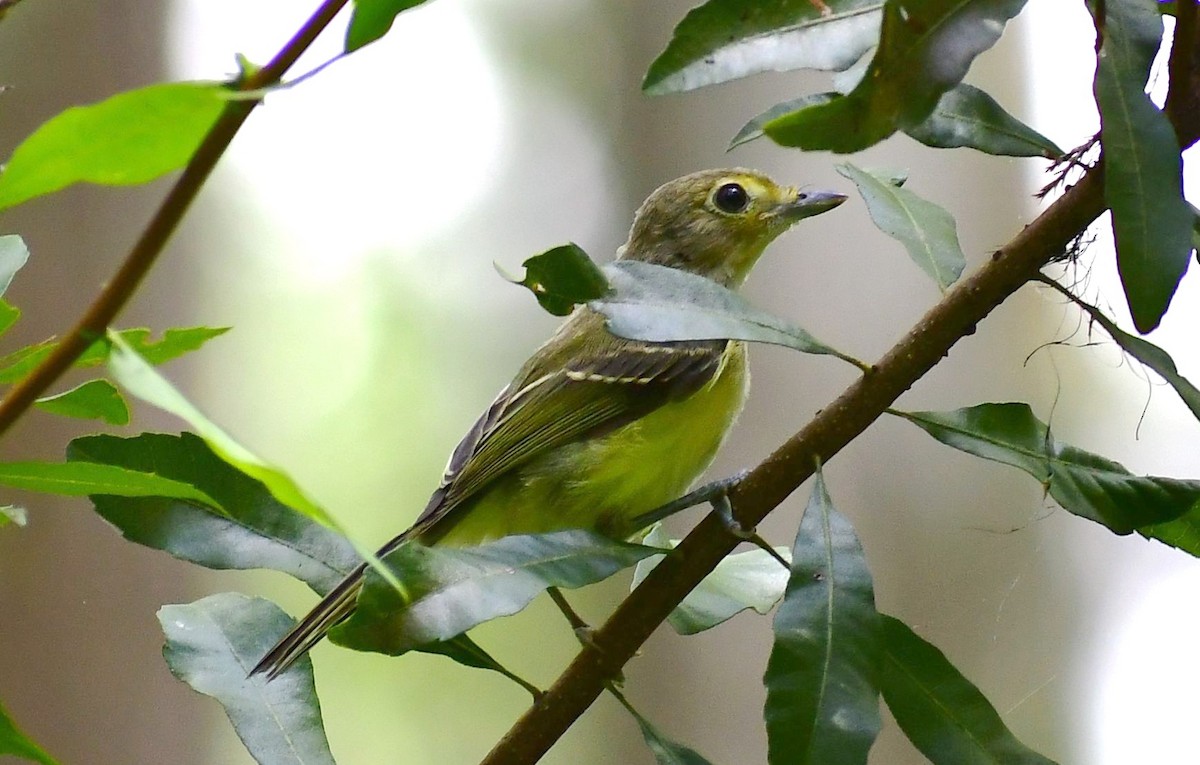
x=595 y=430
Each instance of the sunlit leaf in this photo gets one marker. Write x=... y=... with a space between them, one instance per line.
x=561 y=278
x=722 y=40
x=253 y=530
x=822 y=677
x=1143 y=171
x=925 y=49
x=13 y=255
x=656 y=303
x=754 y=128
x=130 y=138
x=1083 y=483
x=174 y=343
x=927 y=231
x=79 y=479
x=940 y=711
x=965 y=116
x=13 y=514
x=751 y=579
x=372 y=19
x=93 y=400
x=1183 y=533
x=9 y=314
x=212 y=644
x=447 y=591
x=665 y=751
x=14 y=742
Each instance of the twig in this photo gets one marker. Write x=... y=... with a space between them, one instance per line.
x=779 y=475
x=116 y=293
x=1183 y=102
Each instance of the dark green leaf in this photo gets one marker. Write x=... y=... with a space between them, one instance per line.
x=822 y=677
x=561 y=278
x=372 y=19
x=1183 y=533
x=79 y=479
x=447 y=591
x=1085 y=484
x=130 y=138
x=13 y=255
x=9 y=314
x=665 y=751
x=16 y=743
x=966 y=116
x=1143 y=171
x=467 y=652
x=254 y=531
x=93 y=400
x=211 y=646
x=925 y=49
x=13 y=514
x=1146 y=352
x=926 y=230
x=939 y=710
x=751 y=579
x=754 y=128
x=725 y=39
x=656 y=303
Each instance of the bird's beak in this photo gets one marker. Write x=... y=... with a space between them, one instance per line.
x=809 y=203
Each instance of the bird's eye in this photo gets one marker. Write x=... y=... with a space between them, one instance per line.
x=731 y=198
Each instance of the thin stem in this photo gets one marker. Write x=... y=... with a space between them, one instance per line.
x=116 y=293
x=765 y=487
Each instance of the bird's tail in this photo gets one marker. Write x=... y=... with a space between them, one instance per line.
x=333 y=608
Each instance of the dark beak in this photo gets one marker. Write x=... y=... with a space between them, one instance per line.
x=810 y=203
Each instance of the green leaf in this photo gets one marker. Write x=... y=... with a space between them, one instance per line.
x=1083 y=483
x=665 y=751
x=254 y=530
x=212 y=644
x=16 y=743
x=1143 y=170
x=372 y=19
x=13 y=255
x=754 y=128
x=722 y=40
x=561 y=278
x=658 y=304
x=93 y=400
x=128 y=139
x=925 y=49
x=946 y=717
x=1146 y=352
x=173 y=344
x=447 y=591
x=468 y=653
x=822 y=677
x=79 y=479
x=966 y=116
x=1183 y=533
x=9 y=314
x=751 y=579
x=13 y=514
x=926 y=230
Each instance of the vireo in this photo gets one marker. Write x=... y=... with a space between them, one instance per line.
x=596 y=430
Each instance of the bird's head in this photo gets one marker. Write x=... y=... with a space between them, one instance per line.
x=716 y=223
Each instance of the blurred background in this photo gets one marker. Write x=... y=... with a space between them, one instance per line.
x=348 y=237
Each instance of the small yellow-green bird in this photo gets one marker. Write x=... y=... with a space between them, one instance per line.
x=596 y=430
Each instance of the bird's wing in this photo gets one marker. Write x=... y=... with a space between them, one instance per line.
x=572 y=388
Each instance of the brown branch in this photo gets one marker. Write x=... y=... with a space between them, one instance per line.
x=1183 y=94
x=145 y=252
x=779 y=475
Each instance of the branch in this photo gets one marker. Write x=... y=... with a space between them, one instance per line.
x=779 y=475
x=145 y=252
x=1183 y=96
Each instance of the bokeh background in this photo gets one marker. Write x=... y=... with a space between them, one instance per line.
x=349 y=238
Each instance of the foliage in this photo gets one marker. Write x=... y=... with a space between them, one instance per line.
x=899 y=67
